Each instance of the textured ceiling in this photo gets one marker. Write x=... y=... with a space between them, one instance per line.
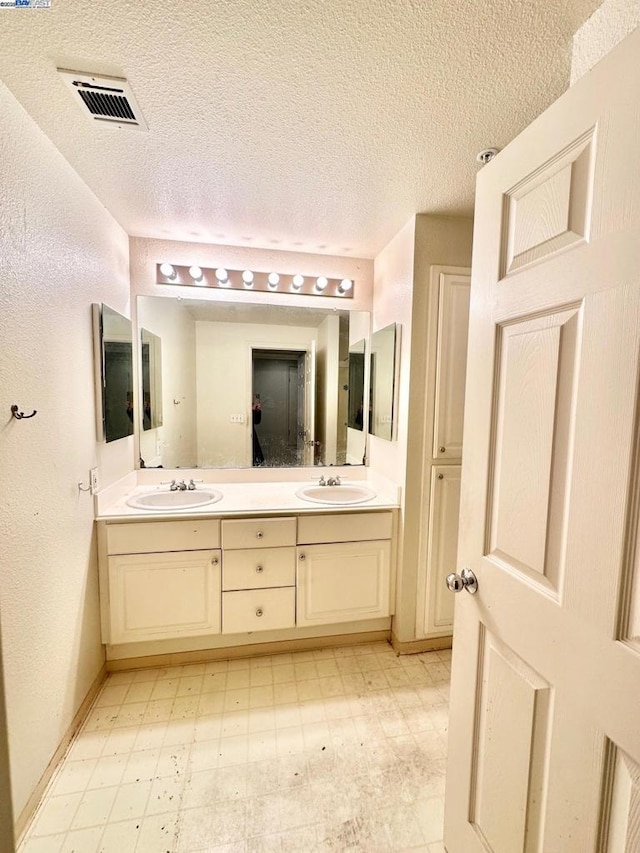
x=316 y=125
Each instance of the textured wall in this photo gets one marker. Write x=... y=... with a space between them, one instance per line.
x=61 y=251
x=608 y=25
x=401 y=291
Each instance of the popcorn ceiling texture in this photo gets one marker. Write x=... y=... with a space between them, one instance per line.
x=608 y=25
x=61 y=251
x=320 y=126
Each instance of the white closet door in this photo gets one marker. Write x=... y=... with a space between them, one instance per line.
x=451 y=364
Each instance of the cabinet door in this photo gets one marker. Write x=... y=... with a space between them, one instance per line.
x=343 y=582
x=451 y=365
x=443 y=546
x=163 y=596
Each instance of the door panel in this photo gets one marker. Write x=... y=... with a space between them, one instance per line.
x=443 y=541
x=531 y=443
x=451 y=365
x=546 y=673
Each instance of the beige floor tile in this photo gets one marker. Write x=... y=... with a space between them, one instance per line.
x=328 y=750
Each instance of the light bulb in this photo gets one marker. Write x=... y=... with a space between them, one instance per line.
x=273 y=280
x=167 y=270
x=247 y=277
x=298 y=281
x=222 y=275
x=345 y=286
x=321 y=283
x=196 y=273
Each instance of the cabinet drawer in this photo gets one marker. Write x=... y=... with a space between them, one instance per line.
x=256 y=568
x=258 y=610
x=258 y=532
x=145 y=537
x=346 y=527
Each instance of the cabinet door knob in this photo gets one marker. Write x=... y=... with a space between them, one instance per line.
x=214 y=561
x=443 y=450
x=302 y=557
x=259 y=534
x=259 y=569
x=441 y=476
x=259 y=611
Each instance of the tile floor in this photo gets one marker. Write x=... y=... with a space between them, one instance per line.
x=334 y=750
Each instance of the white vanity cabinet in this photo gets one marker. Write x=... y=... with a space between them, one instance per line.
x=344 y=568
x=259 y=577
x=176 y=580
x=161 y=580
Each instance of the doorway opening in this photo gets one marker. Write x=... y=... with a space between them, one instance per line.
x=278 y=407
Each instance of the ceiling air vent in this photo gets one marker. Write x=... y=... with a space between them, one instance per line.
x=105 y=99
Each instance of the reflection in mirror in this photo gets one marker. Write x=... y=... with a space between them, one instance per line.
x=248 y=385
x=151 y=356
x=356 y=385
x=113 y=347
x=382 y=378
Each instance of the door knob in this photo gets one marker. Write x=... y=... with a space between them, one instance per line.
x=465 y=580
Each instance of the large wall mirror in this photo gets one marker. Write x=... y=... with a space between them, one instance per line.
x=113 y=359
x=246 y=385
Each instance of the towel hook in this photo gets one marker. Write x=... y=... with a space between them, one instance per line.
x=21 y=415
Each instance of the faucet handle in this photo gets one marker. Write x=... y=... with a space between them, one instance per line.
x=192 y=484
x=337 y=480
x=322 y=481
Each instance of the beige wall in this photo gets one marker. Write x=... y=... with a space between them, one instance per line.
x=608 y=25
x=61 y=251
x=401 y=295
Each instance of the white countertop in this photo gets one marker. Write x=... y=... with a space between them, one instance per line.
x=271 y=498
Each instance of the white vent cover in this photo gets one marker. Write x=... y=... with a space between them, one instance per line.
x=105 y=99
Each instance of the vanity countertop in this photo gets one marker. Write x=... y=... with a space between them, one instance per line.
x=273 y=498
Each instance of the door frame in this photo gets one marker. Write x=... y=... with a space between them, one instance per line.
x=292 y=347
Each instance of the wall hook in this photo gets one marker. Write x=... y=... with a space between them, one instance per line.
x=21 y=415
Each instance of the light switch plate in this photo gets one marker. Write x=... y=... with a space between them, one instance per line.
x=93 y=481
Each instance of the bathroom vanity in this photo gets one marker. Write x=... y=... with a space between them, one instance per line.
x=217 y=572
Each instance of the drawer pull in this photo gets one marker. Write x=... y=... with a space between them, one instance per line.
x=259 y=534
x=259 y=611
x=259 y=569
x=302 y=557
x=214 y=561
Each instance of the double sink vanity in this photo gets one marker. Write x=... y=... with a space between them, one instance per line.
x=224 y=564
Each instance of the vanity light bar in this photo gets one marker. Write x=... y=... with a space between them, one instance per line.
x=246 y=279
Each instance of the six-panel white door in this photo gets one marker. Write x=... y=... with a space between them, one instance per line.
x=544 y=743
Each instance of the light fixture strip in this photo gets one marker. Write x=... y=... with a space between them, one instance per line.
x=312 y=285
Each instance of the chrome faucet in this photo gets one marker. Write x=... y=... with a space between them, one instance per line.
x=182 y=486
x=333 y=481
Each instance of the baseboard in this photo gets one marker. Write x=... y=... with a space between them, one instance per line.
x=28 y=812
x=428 y=644
x=302 y=644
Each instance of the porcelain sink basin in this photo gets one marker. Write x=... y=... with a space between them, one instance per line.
x=175 y=500
x=343 y=494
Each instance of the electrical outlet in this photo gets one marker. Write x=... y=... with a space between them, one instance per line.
x=93 y=481
x=237 y=419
